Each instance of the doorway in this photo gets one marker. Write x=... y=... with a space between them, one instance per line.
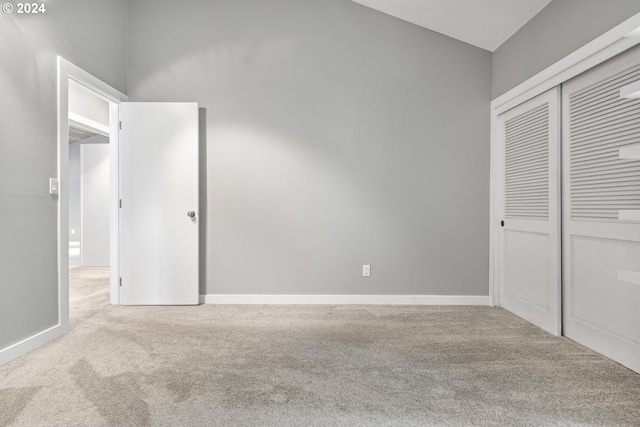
x=89 y=178
x=72 y=79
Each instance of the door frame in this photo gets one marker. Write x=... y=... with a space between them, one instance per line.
x=68 y=71
x=606 y=46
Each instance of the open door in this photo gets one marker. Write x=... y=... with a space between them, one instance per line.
x=530 y=234
x=159 y=239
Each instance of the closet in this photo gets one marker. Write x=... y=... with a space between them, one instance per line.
x=570 y=233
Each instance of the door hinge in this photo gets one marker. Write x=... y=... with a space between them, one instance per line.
x=120 y=203
x=120 y=124
x=120 y=281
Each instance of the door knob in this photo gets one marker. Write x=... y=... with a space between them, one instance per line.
x=191 y=214
x=502 y=223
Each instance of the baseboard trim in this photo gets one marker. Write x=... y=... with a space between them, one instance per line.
x=25 y=346
x=346 y=299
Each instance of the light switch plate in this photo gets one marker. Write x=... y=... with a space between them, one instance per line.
x=366 y=270
x=53 y=186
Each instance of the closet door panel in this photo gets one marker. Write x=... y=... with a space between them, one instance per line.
x=601 y=252
x=530 y=232
x=599 y=300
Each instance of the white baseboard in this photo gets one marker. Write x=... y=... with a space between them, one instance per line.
x=346 y=299
x=31 y=343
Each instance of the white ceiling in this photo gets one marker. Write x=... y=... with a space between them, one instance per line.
x=483 y=23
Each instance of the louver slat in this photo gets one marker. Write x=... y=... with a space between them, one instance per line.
x=525 y=128
x=603 y=93
x=524 y=120
x=531 y=140
x=610 y=108
x=605 y=146
x=527 y=165
x=603 y=88
x=519 y=191
x=600 y=124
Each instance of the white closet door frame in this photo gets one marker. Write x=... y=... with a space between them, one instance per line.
x=599 y=50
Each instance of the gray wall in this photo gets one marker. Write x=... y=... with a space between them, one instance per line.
x=28 y=48
x=75 y=177
x=95 y=196
x=337 y=136
x=558 y=30
x=74 y=193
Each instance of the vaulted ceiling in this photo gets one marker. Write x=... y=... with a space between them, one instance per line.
x=482 y=23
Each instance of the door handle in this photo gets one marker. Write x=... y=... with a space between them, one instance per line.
x=502 y=223
x=191 y=214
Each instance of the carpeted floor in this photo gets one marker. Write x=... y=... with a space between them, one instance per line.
x=308 y=366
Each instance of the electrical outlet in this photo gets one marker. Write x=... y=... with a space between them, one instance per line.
x=366 y=270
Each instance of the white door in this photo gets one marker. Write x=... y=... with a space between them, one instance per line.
x=602 y=252
x=158 y=162
x=530 y=232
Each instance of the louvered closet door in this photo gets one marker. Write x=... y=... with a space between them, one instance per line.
x=530 y=236
x=601 y=253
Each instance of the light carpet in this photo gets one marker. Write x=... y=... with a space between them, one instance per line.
x=309 y=366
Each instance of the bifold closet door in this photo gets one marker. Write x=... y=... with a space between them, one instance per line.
x=530 y=226
x=601 y=252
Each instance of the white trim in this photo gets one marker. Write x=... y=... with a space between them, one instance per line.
x=114 y=205
x=346 y=299
x=495 y=213
x=29 y=344
x=606 y=46
x=68 y=71
x=89 y=125
x=634 y=33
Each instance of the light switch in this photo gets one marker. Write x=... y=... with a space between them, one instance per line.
x=53 y=186
x=366 y=270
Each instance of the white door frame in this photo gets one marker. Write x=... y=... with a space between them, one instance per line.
x=599 y=50
x=68 y=71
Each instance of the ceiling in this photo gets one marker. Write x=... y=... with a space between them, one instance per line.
x=482 y=23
